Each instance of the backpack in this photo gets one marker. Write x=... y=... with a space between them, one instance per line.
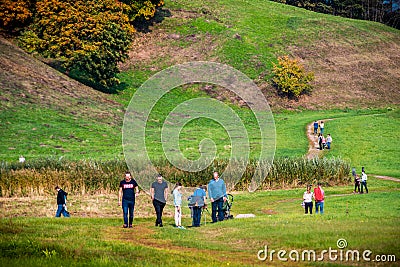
x=318 y=194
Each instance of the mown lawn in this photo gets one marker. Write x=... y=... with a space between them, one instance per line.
x=366 y=222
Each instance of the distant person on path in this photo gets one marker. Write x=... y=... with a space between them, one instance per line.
x=61 y=197
x=364 y=182
x=315 y=127
x=307 y=198
x=321 y=127
x=217 y=194
x=128 y=189
x=21 y=159
x=328 y=141
x=159 y=196
x=178 y=203
x=319 y=196
x=357 y=184
x=320 y=141
x=198 y=200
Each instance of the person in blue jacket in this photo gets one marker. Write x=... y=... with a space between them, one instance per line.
x=217 y=195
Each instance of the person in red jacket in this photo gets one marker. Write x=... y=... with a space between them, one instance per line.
x=319 y=196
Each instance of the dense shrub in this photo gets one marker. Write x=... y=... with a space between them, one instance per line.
x=15 y=14
x=290 y=77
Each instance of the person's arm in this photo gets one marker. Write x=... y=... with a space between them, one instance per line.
x=119 y=196
x=136 y=187
x=166 y=193
x=152 y=192
x=210 y=192
x=224 y=190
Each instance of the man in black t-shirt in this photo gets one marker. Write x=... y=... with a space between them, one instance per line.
x=128 y=188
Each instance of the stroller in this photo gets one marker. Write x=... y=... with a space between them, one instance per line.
x=227 y=207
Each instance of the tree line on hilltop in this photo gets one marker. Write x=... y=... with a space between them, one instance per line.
x=384 y=11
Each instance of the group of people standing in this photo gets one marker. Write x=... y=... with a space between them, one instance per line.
x=323 y=142
x=358 y=181
x=159 y=196
x=318 y=195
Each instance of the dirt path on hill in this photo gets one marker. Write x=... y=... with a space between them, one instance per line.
x=313 y=148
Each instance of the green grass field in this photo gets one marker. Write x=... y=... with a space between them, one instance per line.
x=367 y=222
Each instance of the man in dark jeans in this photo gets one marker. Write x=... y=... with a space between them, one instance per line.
x=159 y=195
x=127 y=188
x=61 y=196
x=217 y=194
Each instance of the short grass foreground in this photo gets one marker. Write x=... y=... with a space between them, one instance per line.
x=365 y=221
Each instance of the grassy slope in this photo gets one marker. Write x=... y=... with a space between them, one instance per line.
x=280 y=224
x=64 y=118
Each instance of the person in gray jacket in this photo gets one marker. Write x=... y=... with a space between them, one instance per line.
x=217 y=194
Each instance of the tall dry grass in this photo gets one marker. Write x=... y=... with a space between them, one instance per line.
x=39 y=177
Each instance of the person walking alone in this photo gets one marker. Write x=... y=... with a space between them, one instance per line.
x=159 y=196
x=61 y=206
x=217 y=194
x=128 y=190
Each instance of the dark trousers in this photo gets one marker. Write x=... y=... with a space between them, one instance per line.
x=196 y=216
x=357 y=186
x=128 y=208
x=159 y=207
x=308 y=206
x=217 y=205
x=364 y=184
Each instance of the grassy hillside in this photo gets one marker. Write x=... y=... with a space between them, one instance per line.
x=44 y=113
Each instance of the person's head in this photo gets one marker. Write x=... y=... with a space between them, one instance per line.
x=128 y=176
x=204 y=187
x=322 y=122
x=308 y=188
x=329 y=134
x=216 y=175
x=178 y=186
x=57 y=188
x=319 y=184
x=159 y=178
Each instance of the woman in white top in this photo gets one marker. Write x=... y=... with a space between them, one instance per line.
x=307 y=198
x=178 y=203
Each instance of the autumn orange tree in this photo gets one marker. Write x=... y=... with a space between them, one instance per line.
x=89 y=37
x=15 y=14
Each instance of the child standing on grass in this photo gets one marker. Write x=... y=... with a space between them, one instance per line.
x=178 y=203
x=307 y=198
